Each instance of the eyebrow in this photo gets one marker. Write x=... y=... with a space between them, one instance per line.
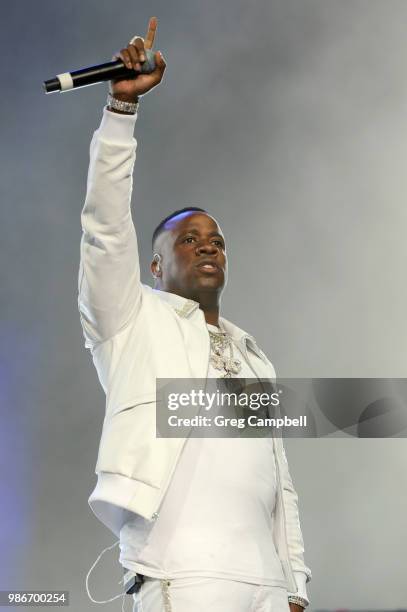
x=193 y=230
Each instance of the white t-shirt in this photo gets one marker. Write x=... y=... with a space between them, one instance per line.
x=216 y=518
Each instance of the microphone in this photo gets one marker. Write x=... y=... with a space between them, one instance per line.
x=96 y=74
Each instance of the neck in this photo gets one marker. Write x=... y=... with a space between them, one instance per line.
x=209 y=304
x=211 y=316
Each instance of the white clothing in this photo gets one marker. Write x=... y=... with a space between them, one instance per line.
x=209 y=595
x=216 y=517
x=137 y=334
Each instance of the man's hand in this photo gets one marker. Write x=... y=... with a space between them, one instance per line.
x=295 y=607
x=133 y=56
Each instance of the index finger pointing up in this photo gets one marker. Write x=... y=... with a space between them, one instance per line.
x=152 y=27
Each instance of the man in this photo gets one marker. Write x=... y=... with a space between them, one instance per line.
x=208 y=524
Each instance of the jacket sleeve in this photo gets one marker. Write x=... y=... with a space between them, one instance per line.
x=294 y=535
x=109 y=272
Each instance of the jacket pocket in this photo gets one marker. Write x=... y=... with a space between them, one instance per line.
x=129 y=444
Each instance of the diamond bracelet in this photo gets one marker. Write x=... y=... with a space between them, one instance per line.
x=120 y=105
x=300 y=601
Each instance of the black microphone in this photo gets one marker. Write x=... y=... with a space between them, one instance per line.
x=97 y=74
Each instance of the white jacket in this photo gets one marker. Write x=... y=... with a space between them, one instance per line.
x=137 y=334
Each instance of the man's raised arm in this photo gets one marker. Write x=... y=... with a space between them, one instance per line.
x=109 y=273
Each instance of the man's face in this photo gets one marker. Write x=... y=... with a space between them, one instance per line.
x=193 y=255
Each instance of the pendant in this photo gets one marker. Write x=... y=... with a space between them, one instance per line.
x=235 y=366
x=217 y=361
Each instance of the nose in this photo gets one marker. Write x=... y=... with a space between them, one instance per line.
x=206 y=247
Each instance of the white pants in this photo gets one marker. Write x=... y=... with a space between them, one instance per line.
x=208 y=595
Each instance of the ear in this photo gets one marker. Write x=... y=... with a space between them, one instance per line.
x=153 y=267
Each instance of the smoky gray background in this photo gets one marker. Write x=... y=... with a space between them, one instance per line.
x=287 y=120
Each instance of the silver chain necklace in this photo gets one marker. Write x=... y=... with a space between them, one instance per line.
x=220 y=343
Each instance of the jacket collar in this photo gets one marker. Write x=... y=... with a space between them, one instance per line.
x=182 y=306
x=185 y=307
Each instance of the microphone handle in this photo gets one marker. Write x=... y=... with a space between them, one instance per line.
x=97 y=74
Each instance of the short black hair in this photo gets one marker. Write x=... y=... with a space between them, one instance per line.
x=160 y=227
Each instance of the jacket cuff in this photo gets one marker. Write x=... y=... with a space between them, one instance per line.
x=116 y=127
x=300 y=579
